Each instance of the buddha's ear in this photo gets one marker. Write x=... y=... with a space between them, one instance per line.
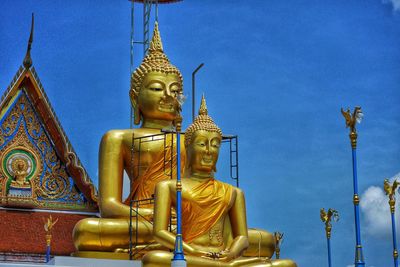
x=133 y=95
x=188 y=160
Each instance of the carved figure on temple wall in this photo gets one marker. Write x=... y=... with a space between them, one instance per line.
x=20 y=170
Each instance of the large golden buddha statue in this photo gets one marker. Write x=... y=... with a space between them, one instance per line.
x=145 y=154
x=214 y=228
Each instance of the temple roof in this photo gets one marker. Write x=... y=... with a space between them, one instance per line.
x=29 y=80
x=26 y=79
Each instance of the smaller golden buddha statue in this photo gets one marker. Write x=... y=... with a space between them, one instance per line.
x=214 y=227
x=20 y=170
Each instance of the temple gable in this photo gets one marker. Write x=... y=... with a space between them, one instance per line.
x=38 y=166
x=27 y=151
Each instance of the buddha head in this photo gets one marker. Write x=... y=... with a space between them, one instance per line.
x=156 y=85
x=19 y=165
x=202 y=141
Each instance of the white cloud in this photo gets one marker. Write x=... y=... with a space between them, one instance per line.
x=395 y=4
x=375 y=208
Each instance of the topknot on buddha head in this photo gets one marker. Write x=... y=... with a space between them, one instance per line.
x=202 y=122
x=154 y=61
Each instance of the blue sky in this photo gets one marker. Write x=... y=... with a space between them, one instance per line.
x=276 y=73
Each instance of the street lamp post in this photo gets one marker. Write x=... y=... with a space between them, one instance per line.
x=179 y=258
x=326 y=218
x=390 y=191
x=351 y=120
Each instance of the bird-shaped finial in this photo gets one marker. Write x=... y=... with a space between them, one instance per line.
x=352 y=119
x=327 y=216
x=48 y=226
x=28 y=60
x=390 y=190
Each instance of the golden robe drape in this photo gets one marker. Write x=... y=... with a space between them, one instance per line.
x=207 y=203
x=160 y=170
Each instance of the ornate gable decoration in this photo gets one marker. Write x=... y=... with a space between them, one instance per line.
x=38 y=166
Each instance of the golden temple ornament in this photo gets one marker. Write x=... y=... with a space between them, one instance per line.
x=278 y=241
x=327 y=217
x=28 y=60
x=48 y=227
x=351 y=120
x=390 y=191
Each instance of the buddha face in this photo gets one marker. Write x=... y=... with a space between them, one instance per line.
x=203 y=152
x=20 y=166
x=157 y=97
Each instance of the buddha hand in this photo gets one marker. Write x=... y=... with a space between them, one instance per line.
x=226 y=255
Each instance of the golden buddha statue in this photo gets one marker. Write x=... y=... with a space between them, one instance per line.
x=156 y=89
x=214 y=228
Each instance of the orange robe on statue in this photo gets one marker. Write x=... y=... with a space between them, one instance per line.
x=160 y=170
x=208 y=202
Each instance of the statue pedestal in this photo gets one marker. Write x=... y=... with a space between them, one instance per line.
x=181 y=263
x=22 y=191
x=87 y=262
x=60 y=261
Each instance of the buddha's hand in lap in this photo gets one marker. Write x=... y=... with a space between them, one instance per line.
x=201 y=253
x=226 y=255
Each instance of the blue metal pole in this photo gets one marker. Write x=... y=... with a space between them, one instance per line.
x=359 y=257
x=395 y=253
x=329 y=252
x=48 y=253
x=179 y=258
